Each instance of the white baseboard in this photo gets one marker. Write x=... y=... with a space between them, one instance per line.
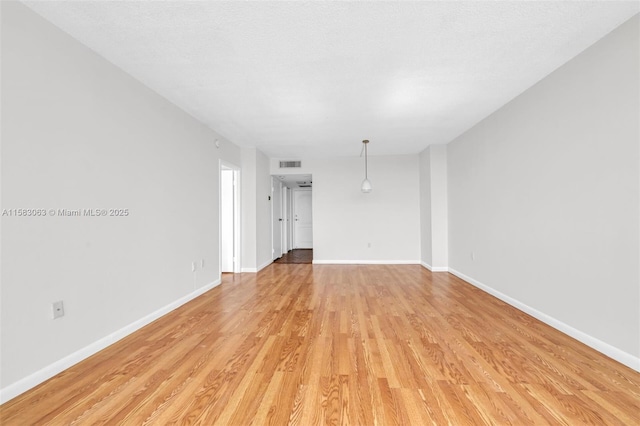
x=366 y=262
x=625 y=358
x=258 y=269
x=51 y=370
x=436 y=268
x=264 y=265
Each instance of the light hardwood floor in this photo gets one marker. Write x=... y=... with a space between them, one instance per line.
x=325 y=344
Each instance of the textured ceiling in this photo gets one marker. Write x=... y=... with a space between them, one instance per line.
x=302 y=79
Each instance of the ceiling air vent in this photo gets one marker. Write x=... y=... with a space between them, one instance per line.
x=290 y=164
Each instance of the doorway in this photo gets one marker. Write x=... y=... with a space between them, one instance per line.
x=229 y=228
x=292 y=218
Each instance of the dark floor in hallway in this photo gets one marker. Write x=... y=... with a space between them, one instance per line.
x=297 y=256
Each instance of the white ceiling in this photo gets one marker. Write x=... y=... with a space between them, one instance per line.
x=304 y=79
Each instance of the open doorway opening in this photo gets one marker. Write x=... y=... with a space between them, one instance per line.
x=292 y=215
x=229 y=218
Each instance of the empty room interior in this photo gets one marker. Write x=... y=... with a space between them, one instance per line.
x=365 y=213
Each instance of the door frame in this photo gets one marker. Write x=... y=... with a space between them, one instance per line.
x=290 y=220
x=285 y=220
x=225 y=165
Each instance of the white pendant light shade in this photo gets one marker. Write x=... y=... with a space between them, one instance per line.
x=366 y=185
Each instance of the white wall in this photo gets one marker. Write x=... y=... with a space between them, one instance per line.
x=426 y=237
x=256 y=210
x=263 y=211
x=346 y=221
x=78 y=133
x=248 y=188
x=433 y=208
x=545 y=192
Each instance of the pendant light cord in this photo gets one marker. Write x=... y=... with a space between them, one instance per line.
x=366 y=165
x=366 y=185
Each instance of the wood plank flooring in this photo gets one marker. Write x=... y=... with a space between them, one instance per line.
x=297 y=256
x=339 y=344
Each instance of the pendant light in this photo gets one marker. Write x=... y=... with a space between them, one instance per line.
x=366 y=185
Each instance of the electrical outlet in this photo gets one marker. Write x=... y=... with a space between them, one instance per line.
x=473 y=256
x=194 y=266
x=201 y=263
x=369 y=245
x=58 y=309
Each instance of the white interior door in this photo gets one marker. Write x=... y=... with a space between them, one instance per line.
x=303 y=223
x=276 y=217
